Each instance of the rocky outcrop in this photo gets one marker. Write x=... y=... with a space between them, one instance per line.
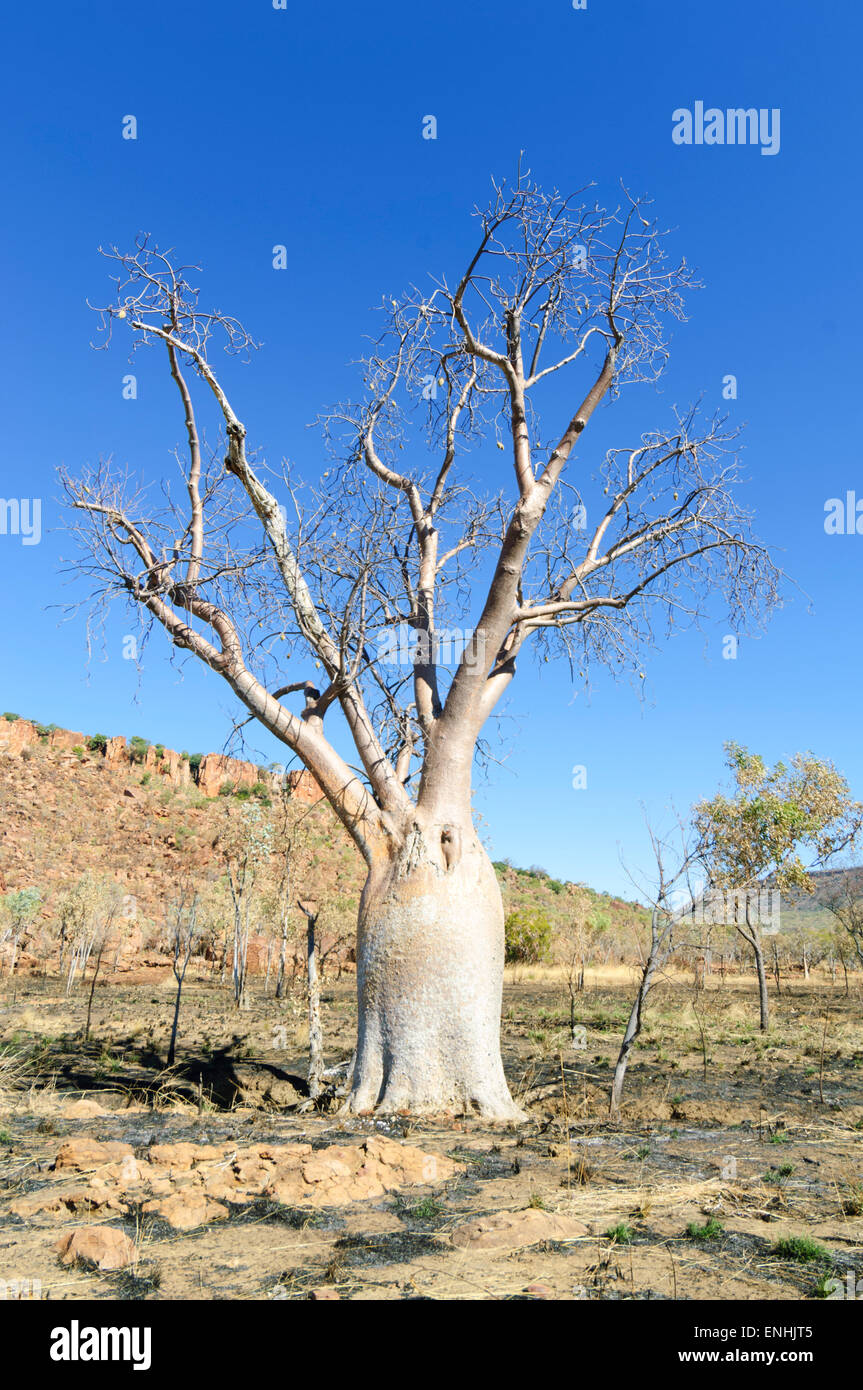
x=65 y=738
x=218 y=771
x=116 y=753
x=188 y=1185
x=304 y=788
x=16 y=735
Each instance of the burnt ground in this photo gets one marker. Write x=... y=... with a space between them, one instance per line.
x=729 y=1145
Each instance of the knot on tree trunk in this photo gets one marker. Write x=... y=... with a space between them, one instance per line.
x=450 y=843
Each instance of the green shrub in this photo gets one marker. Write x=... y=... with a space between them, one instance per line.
x=621 y=1234
x=528 y=937
x=10 y=718
x=711 y=1230
x=195 y=760
x=97 y=743
x=138 y=749
x=800 y=1248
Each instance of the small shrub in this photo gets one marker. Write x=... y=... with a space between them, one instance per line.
x=852 y=1202
x=776 y=1175
x=825 y=1286
x=800 y=1248
x=621 y=1234
x=97 y=743
x=711 y=1230
x=528 y=937
x=10 y=718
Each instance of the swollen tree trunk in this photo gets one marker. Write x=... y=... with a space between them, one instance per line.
x=430 y=953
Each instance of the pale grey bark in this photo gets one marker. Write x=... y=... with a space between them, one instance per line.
x=316 y=1036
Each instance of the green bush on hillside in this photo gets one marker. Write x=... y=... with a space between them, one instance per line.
x=528 y=937
x=138 y=749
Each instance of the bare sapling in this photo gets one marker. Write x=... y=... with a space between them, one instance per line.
x=674 y=863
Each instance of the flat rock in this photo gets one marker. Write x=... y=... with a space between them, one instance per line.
x=510 y=1230
x=80 y=1155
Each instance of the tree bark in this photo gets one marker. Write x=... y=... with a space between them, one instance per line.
x=763 y=1002
x=316 y=1037
x=430 y=953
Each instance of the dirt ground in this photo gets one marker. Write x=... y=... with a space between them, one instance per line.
x=735 y=1173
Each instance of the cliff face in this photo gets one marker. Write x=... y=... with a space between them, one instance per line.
x=215 y=774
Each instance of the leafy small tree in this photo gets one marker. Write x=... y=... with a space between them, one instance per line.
x=19 y=911
x=759 y=833
x=86 y=913
x=846 y=905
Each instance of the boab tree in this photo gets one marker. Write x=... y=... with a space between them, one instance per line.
x=370 y=572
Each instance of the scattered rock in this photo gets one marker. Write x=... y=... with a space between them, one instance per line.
x=510 y=1230
x=102 y=1246
x=323 y=1295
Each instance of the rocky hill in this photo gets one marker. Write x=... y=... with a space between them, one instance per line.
x=147 y=816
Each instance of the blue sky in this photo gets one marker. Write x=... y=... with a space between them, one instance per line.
x=304 y=127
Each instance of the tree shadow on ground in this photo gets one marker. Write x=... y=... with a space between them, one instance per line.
x=221 y=1079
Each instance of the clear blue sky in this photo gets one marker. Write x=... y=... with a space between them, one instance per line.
x=303 y=127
